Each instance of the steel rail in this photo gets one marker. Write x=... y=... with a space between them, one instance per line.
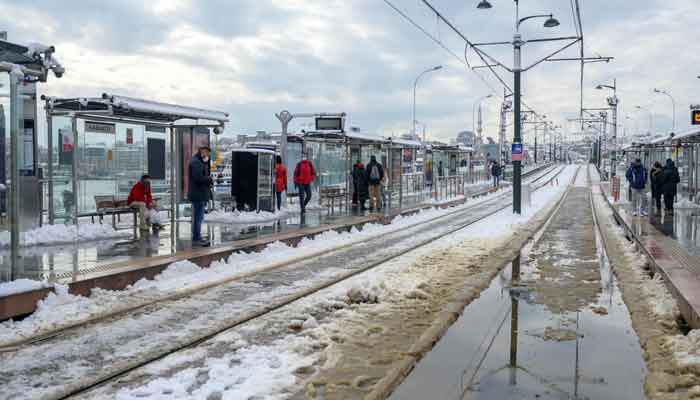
x=101 y=381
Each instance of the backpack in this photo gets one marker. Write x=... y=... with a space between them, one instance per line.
x=374 y=173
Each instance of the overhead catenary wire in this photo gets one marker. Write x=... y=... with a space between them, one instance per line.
x=464 y=61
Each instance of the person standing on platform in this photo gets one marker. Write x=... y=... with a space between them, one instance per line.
x=359 y=179
x=198 y=192
x=355 y=190
x=496 y=173
x=304 y=175
x=441 y=170
x=671 y=180
x=375 y=174
x=280 y=180
x=637 y=177
x=657 y=181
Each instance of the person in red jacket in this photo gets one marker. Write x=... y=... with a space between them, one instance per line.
x=304 y=174
x=280 y=181
x=140 y=197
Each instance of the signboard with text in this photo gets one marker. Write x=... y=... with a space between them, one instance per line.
x=695 y=117
x=517 y=152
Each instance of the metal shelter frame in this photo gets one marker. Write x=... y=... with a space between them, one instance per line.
x=115 y=109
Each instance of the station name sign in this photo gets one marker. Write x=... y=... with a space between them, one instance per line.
x=99 y=127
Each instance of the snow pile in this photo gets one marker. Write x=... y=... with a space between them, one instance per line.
x=20 y=286
x=56 y=234
x=685 y=203
x=662 y=302
x=685 y=349
x=253 y=372
x=243 y=217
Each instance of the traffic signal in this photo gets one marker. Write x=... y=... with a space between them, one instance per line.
x=695 y=117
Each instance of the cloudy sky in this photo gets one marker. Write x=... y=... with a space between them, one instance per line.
x=253 y=58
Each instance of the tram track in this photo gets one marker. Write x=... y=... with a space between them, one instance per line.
x=281 y=281
x=144 y=300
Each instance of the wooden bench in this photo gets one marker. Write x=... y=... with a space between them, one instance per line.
x=111 y=205
x=330 y=195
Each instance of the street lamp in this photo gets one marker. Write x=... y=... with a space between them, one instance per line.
x=612 y=102
x=673 y=102
x=518 y=42
x=479 y=101
x=485 y=5
x=415 y=84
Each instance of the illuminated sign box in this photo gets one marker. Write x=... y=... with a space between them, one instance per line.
x=329 y=124
x=695 y=117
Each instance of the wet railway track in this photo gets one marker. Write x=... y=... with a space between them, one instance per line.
x=75 y=360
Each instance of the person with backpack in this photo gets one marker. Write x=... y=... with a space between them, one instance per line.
x=304 y=175
x=375 y=174
x=359 y=179
x=637 y=177
x=496 y=171
x=657 y=181
x=671 y=180
x=280 y=180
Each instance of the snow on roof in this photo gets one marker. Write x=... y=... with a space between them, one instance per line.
x=253 y=150
x=406 y=142
x=687 y=134
x=362 y=136
x=148 y=106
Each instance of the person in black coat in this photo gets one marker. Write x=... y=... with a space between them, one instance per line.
x=199 y=192
x=670 y=185
x=359 y=178
x=657 y=182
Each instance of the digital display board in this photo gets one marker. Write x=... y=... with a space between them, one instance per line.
x=329 y=124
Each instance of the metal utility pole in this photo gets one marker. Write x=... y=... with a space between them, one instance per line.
x=673 y=103
x=517 y=132
x=613 y=102
x=415 y=86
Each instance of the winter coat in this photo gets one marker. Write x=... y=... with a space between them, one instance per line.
x=380 y=170
x=304 y=173
x=637 y=176
x=671 y=179
x=142 y=193
x=496 y=170
x=200 y=181
x=657 y=180
x=359 y=178
x=280 y=178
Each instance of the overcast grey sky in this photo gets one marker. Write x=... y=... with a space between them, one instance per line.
x=253 y=58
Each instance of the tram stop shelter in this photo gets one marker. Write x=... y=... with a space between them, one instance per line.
x=683 y=148
x=99 y=147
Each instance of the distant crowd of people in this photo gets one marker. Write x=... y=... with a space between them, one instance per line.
x=664 y=183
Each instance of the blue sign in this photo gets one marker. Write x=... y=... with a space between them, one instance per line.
x=517 y=152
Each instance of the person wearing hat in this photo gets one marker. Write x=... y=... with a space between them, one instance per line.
x=198 y=192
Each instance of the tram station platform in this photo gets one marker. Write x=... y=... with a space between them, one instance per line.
x=672 y=244
x=116 y=264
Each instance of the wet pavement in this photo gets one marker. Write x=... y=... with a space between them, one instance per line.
x=63 y=262
x=553 y=326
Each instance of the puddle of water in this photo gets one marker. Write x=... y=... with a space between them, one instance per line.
x=501 y=349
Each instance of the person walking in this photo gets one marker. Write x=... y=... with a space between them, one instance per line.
x=496 y=171
x=637 y=177
x=359 y=179
x=375 y=174
x=657 y=180
x=304 y=175
x=198 y=192
x=671 y=179
x=280 y=180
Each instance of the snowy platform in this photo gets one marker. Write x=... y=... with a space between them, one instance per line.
x=671 y=244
